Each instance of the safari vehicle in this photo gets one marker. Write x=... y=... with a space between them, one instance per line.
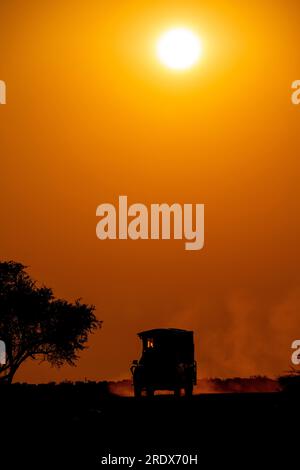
x=167 y=362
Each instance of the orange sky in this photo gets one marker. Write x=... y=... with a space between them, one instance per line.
x=91 y=115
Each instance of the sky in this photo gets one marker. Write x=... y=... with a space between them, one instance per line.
x=91 y=114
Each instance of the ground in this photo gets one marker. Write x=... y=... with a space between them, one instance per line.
x=81 y=426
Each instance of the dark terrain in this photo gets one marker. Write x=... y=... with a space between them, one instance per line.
x=77 y=424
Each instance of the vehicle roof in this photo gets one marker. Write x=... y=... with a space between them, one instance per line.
x=162 y=331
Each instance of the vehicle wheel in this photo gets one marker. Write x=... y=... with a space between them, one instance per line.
x=177 y=392
x=137 y=392
x=188 y=390
x=150 y=392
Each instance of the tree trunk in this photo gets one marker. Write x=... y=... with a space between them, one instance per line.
x=8 y=377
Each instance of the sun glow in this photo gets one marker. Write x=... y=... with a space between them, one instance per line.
x=179 y=49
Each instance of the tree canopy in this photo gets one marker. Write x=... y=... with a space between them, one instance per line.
x=34 y=324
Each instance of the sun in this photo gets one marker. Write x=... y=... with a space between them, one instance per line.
x=179 y=49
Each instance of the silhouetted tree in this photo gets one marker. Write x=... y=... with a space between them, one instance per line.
x=34 y=324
